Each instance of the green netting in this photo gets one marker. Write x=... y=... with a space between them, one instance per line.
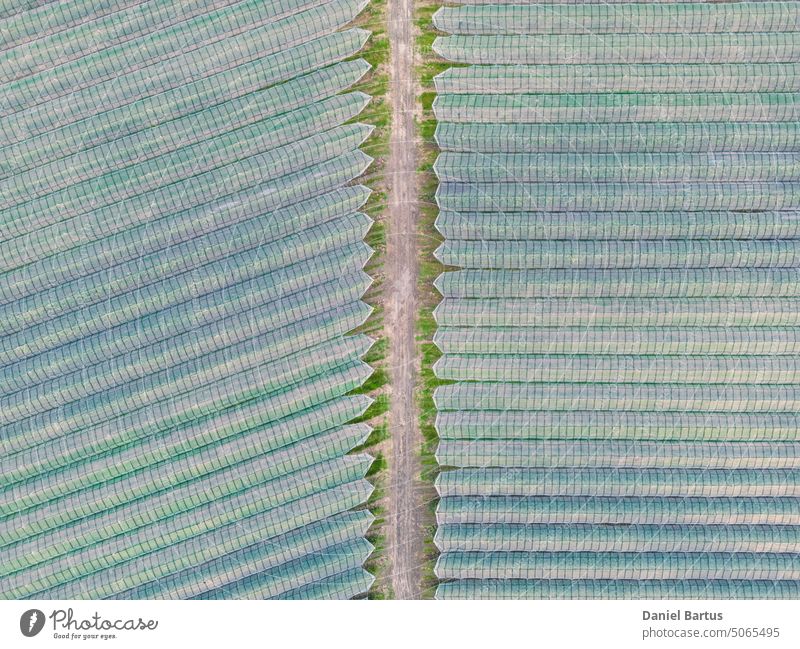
x=182 y=262
x=660 y=341
x=619 y=254
x=319 y=180
x=628 y=538
x=207 y=39
x=620 y=77
x=187 y=406
x=621 y=396
x=618 y=565
x=622 y=48
x=245 y=209
x=619 y=589
x=167 y=293
x=617 y=196
x=347 y=260
x=48 y=16
x=299 y=185
x=262 y=555
x=189 y=583
x=672 y=482
x=547 y=5
x=616 y=167
x=190 y=177
x=166 y=90
x=103 y=32
x=592 y=18
x=619 y=511
x=84 y=327
x=624 y=453
x=61 y=352
x=171 y=155
x=626 y=312
x=619 y=107
x=167 y=475
x=245 y=480
x=664 y=283
x=279 y=516
x=491 y=436
x=642 y=137
x=272 y=583
x=138 y=548
x=226 y=539
x=226 y=319
x=196 y=127
x=345 y=585
x=93 y=133
x=197 y=353
x=49 y=484
x=571 y=368
x=88 y=450
x=172 y=382
x=617 y=226
x=212 y=252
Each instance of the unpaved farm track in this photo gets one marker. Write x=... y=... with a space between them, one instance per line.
x=404 y=520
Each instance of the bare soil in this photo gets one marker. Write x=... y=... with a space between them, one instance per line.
x=406 y=507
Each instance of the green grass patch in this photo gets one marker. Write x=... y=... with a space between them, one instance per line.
x=379 y=434
x=378 y=114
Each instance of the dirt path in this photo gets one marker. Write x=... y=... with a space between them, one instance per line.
x=404 y=519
